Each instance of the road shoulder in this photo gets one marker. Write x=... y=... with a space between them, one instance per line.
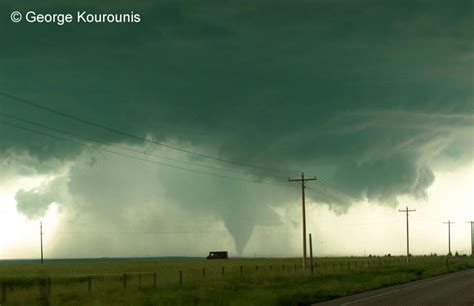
x=372 y=294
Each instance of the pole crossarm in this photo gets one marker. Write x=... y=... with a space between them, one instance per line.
x=407 y=210
x=303 y=181
x=300 y=180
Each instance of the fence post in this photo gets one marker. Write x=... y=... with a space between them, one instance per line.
x=154 y=279
x=89 y=283
x=283 y=267
x=124 y=280
x=180 y=277
x=44 y=291
x=4 y=292
x=256 y=268
x=270 y=267
x=203 y=273
x=241 y=270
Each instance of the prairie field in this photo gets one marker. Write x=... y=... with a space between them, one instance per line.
x=210 y=282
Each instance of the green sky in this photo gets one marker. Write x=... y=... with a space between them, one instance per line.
x=372 y=97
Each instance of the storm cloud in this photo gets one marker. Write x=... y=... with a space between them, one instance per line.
x=370 y=97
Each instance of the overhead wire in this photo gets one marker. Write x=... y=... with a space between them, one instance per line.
x=136 y=137
x=122 y=147
x=135 y=157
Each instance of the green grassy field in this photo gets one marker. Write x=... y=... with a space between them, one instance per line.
x=216 y=282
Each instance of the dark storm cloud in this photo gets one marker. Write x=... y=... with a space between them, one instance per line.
x=367 y=95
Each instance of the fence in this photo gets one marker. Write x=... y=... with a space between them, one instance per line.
x=180 y=278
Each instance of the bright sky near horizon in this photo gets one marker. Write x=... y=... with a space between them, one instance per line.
x=365 y=229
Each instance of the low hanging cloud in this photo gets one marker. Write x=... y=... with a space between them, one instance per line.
x=35 y=203
x=360 y=95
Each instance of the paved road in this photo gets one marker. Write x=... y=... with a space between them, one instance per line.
x=449 y=289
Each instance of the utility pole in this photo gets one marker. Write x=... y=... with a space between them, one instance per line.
x=302 y=181
x=449 y=235
x=41 y=240
x=472 y=241
x=311 y=253
x=408 y=235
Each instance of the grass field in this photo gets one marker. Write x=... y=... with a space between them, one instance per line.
x=215 y=282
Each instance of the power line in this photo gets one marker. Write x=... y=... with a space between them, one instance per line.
x=332 y=194
x=120 y=147
x=117 y=131
x=288 y=229
x=135 y=157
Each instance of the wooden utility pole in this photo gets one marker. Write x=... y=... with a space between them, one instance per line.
x=302 y=181
x=41 y=240
x=408 y=231
x=449 y=235
x=472 y=241
x=311 y=253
